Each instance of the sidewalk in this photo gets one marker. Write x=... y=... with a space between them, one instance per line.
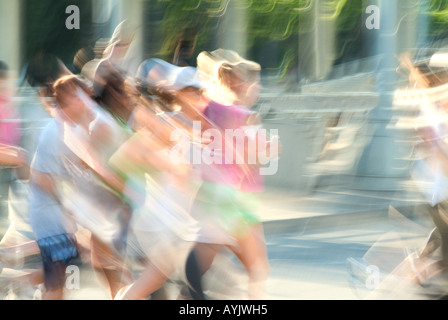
x=285 y=211
x=351 y=213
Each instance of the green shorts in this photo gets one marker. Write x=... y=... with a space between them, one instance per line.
x=232 y=210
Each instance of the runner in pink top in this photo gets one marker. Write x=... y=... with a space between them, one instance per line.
x=226 y=204
x=241 y=176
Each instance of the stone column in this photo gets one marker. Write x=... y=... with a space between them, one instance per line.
x=232 y=33
x=382 y=164
x=317 y=46
x=375 y=167
x=422 y=23
x=105 y=16
x=10 y=34
x=133 y=12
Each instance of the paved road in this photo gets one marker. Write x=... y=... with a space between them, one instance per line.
x=334 y=263
x=339 y=254
x=310 y=265
x=314 y=265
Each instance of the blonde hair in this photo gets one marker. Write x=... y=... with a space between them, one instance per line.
x=224 y=71
x=243 y=71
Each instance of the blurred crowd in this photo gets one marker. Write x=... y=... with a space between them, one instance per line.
x=113 y=181
x=419 y=263
x=147 y=177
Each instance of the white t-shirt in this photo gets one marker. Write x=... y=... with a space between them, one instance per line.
x=428 y=173
x=46 y=215
x=94 y=205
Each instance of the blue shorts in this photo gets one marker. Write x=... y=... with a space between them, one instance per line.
x=56 y=252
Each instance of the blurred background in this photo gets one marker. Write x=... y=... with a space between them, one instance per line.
x=329 y=78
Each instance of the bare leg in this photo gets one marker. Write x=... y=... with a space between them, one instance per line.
x=205 y=254
x=149 y=281
x=110 y=266
x=252 y=253
x=198 y=263
x=422 y=264
x=440 y=218
x=13 y=255
x=14 y=246
x=36 y=277
x=53 y=294
x=432 y=244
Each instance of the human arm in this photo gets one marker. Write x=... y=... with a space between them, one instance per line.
x=266 y=147
x=145 y=151
x=45 y=182
x=13 y=156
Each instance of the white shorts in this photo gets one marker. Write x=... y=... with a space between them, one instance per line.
x=165 y=250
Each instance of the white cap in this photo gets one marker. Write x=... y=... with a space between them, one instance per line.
x=171 y=77
x=439 y=60
x=186 y=77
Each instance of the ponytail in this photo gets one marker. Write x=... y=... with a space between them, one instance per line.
x=225 y=74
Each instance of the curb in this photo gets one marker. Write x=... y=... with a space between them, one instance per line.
x=339 y=211
x=312 y=224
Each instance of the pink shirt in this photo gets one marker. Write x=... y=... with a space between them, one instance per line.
x=243 y=177
x=9 y=131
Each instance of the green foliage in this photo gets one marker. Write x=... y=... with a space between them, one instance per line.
x=45 y=28
x=438 y=16
x=270 y=24
x=348 y=27
x=186 y=19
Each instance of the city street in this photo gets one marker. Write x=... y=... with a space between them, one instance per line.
x=351 y=254
x=357 y=106
x=328 y=246
x=310 y=265
x=348 y=256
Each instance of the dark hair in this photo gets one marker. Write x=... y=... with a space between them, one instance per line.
x=44 y=68
x=3 y=69
x=81 y=57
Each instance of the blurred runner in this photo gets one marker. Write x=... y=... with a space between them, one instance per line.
x=226 y=202
x=432 y=128
x=163 y=225
x=94 y=193
x=109 y=81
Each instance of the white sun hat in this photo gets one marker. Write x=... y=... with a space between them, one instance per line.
x=439 y=59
